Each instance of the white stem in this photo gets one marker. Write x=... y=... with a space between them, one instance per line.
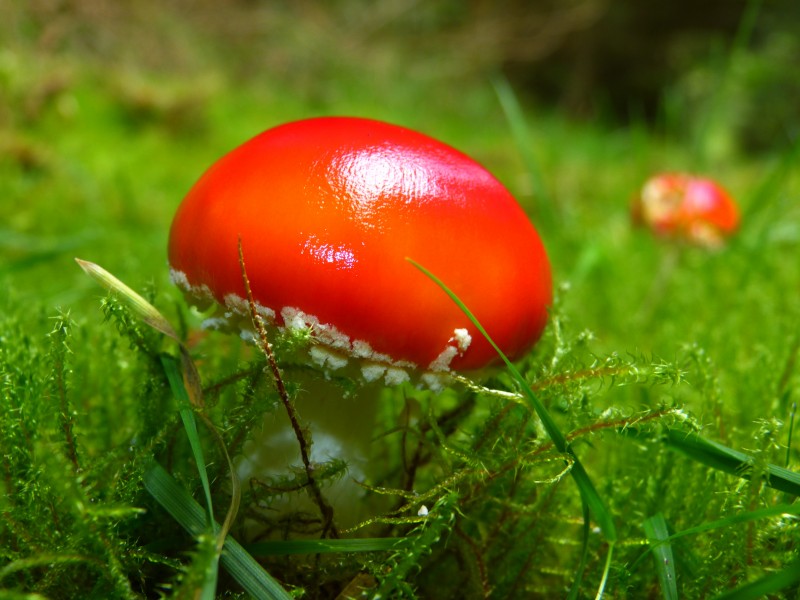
x=340 y=427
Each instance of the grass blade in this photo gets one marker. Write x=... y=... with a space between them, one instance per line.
x=588 y=492
x=711 y=115
x=762 y=513
x=145 y=311
x=185 y=384
x=185 y=510
x=190 y=425
x=522 y=138
x=731 y=461
x=792 y=414
x=606 y=572
x=574 y=590
x=655 y=528
x=326 y=546
x=769 y=584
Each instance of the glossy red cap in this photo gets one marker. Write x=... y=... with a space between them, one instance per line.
x=328 y=209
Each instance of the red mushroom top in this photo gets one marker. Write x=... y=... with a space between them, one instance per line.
x=328 y=209
x=689 y=207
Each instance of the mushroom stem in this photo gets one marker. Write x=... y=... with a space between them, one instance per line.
x=339 y=434
x=328 y=426
x=266 y=348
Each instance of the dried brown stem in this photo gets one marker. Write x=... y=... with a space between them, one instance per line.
x=477 y=556
x=67 y=422
x=305 y=446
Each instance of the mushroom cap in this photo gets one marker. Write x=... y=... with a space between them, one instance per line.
x=328 y=209
x=686 y=206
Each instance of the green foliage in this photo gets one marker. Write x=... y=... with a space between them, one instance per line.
x=667 y=376
x=67 y=514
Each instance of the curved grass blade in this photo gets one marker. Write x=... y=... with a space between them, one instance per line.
x=144 y=310
x=731 y=461
x=185 y=510
x=587 y=490
x=190 y=424
x=592 y=503
x=184 y=382
x=575 y=588
x=762 y=513
x=606 y=572
x=175 y=379
x=655 y=528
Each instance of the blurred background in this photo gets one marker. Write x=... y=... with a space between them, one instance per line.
x=109 y=111
x=617 y=59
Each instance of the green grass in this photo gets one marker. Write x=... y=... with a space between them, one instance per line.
x=664 y=389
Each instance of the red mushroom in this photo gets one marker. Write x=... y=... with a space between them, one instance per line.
x=328 y=210
x=687 y=207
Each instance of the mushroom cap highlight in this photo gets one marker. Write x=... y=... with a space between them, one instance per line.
x=686 y=206
x=329 y=209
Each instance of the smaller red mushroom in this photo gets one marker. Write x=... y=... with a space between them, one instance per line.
x=683 y=206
